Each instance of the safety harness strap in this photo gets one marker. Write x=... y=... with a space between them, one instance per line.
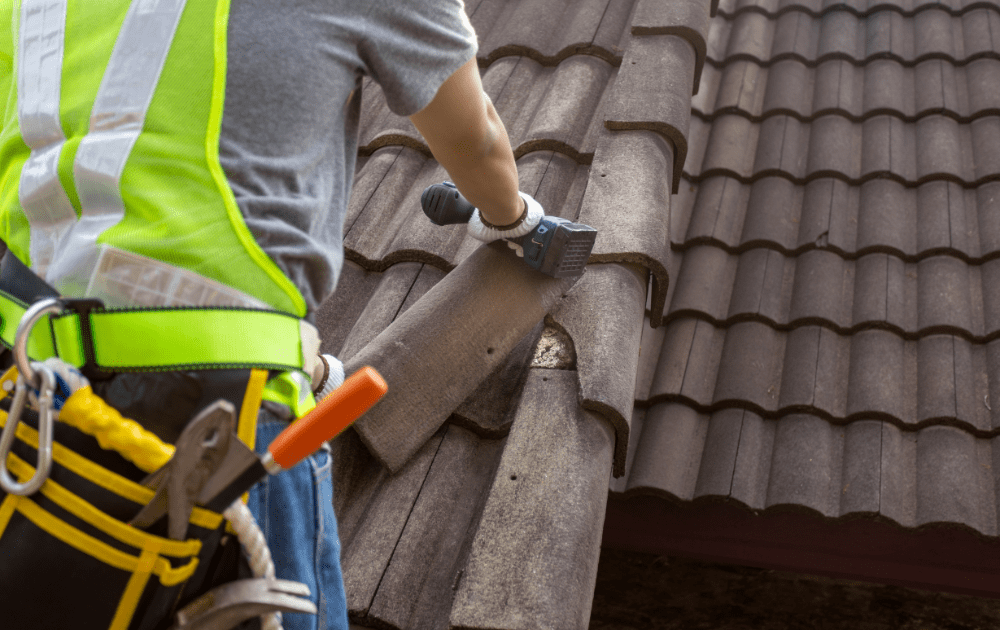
x=133 y=340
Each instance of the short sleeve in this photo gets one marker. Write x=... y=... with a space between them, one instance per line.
x=411 y=48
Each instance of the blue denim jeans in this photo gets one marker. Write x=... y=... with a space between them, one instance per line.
x=295 y=512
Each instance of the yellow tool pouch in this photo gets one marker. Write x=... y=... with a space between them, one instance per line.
x=69 y=558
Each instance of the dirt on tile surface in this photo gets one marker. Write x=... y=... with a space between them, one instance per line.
x=637 y=591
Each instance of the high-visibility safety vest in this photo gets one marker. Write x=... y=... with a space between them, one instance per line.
x=109 y=150
x=110 y=183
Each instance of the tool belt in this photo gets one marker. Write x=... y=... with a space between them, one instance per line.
x=70 y=560
x=68 y=557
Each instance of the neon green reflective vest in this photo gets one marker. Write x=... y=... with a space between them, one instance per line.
x=109 y=137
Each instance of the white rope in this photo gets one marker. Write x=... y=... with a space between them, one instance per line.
x=258 y=553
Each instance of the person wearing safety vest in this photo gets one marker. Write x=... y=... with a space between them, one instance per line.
x=168 y=154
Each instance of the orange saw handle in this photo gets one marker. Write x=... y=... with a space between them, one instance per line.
x=331 y=415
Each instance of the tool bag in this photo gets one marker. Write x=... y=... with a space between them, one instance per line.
x=69 y=559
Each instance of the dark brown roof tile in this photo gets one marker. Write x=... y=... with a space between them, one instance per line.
x=860 y=490
x=750 y=36
x=829 y=215
x=933 y=30
x=805 y=465
x=983 y=81
x=753 y=461
x=373 y=513
x=942 y=219
x=888 y=147
x=834 y=145
x=677 y=433
x=721 y=448
x=541 y=526
x=713 y=216
x=839 y=87
x=985 y=134
x=987 y=199
x=730 y=148
x=840 y=36
x=888 y=87
x=980 y=32
x=882 y=286
x=823 y=290
x=708 y=286
x=942 y=87
x=750 y=367
x=887 y=216
x=953 y=479
x=880 y=377
x=944 y=294
x=764 y=281
x=942 y=149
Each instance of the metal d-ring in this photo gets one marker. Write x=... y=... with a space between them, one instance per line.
x=28 y=321
x=45 y=421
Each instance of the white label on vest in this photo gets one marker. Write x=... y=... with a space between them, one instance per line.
x=39 y=71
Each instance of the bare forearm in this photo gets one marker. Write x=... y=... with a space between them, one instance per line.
x=487 y=177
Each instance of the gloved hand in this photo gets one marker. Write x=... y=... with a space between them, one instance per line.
x=528 y=221
x=330 y=379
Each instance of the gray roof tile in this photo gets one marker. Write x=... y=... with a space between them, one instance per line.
x=687 y=19
x=603 y=314
x=533 y=558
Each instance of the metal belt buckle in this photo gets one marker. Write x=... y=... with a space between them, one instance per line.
x=44 y=381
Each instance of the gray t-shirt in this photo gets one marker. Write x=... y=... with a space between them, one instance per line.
x=293 y=95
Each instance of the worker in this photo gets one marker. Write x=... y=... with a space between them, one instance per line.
x=158 y=153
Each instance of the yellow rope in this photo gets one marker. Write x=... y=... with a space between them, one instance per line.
x=88 y=412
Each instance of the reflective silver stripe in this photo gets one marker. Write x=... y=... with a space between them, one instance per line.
x=39 y=72
x=116 y=121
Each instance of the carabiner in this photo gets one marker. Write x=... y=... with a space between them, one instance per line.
x=20 y=348
x=45 y=425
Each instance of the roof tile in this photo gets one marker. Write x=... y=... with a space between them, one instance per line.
x=804 y=470
x=795 y=34
x=834 y=147
x=983 y=83
x=840 y=36
x=887 y=217
x=707 y=287
x=885 y=292
x=718 y=460
x=688 y=19
x=527 y=28
x=750 y=367
x=953 y=477
x=932 y=33
x=880 y=375
x=888 y=88
x=541 y=525
x=431 y=549
x=944 y=293
x=713 y=216
x=373 y=513
x=978 y=32
x=677 y=433
x=823 y=290
x=829 y=215
x=985 y=134
x=646 y=95
x=490 y=284
x=604 y=316
x=627 y=192
x=859 y=491
x=752 y=471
